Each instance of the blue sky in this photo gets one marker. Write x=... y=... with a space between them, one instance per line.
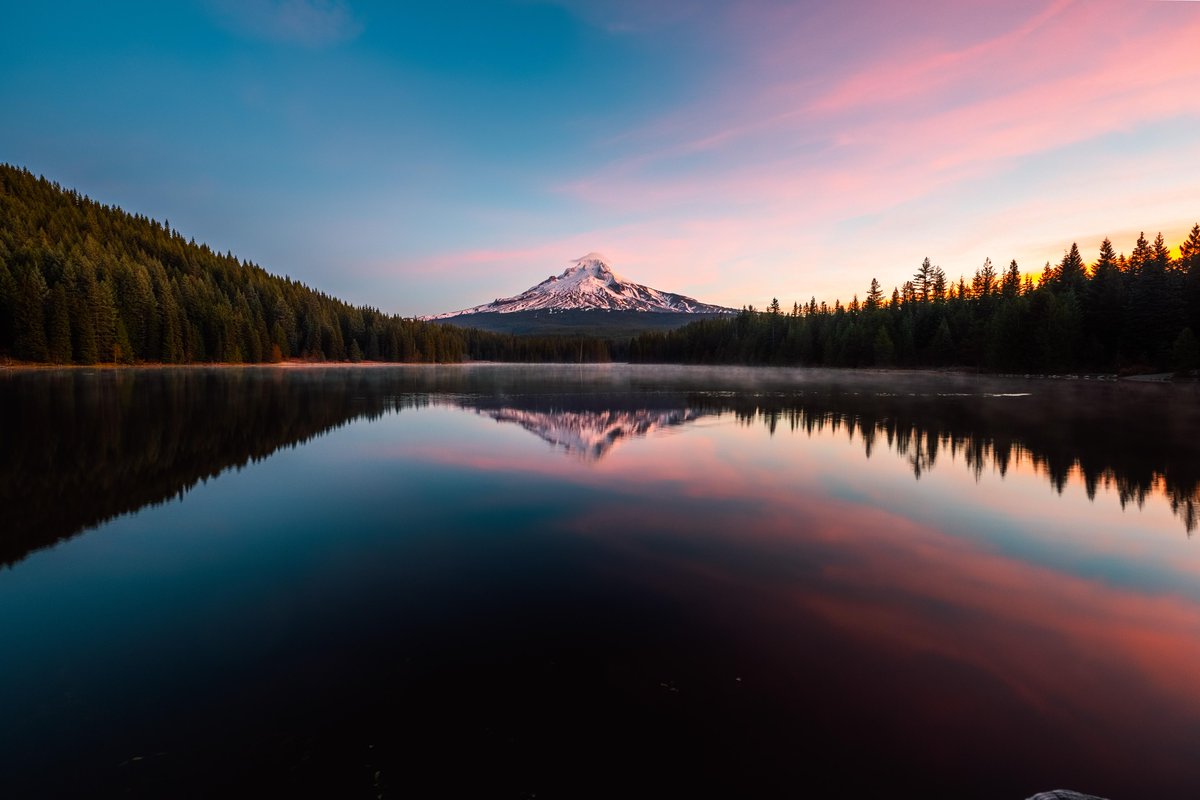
x=423 y=157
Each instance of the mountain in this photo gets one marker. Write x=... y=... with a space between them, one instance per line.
x=590 y=283
x=590 y=435
x=82 y=283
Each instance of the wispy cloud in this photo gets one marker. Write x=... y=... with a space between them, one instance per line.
x=899 y=124
x=728 y=150
x=926 y=114
x=310 y=23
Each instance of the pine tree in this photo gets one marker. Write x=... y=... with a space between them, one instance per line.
x=29 y=314
x=8 y=294
x=171 y=349
x=1151 y=320
x=1010 y=286
x=939 y=285
x=874 y=295
x=1047 y=278
x=923 y=281
x=1105 y=308
x=59 y=345
x=1189 y=264
x=984 y=282
x=1173 y=305
x=1140 y=256
x=1072 y=273
x=1160 y=253
x=83 y=323
x=103 y=309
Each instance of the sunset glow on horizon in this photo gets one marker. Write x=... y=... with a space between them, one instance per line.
x=424 y=159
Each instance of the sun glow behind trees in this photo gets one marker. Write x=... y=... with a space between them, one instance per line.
x=1132 y=313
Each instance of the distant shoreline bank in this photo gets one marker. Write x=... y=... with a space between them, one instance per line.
x=1156 y=378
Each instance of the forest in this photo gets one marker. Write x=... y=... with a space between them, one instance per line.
x=85 y=283
x=1122 y=314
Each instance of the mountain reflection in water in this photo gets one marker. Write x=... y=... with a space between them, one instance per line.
x=592 y=434
x=686 y=582
x=93 y=445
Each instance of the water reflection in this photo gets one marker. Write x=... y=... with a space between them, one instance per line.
x=1124 y=442
x=591 y=435
x=599 y=582
x=82 y=447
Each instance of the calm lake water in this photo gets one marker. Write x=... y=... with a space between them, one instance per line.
x=600 y=581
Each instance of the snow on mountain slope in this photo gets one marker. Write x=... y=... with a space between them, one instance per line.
x=590 y=435
x=591 y=284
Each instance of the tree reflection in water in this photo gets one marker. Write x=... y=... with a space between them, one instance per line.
x=81 y=447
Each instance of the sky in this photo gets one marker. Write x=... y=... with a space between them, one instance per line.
x=423 y=157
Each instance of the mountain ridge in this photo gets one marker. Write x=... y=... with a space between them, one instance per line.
x=85 y=283
x=590 y=283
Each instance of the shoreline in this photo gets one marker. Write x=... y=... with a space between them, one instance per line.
x=1162 y=378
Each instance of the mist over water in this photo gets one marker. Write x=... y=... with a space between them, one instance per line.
x=570 y=581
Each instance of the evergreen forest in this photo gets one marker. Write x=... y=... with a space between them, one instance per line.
x=1124 y=314
x=85 y=283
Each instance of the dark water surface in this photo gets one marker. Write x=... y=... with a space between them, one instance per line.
x=610 y=581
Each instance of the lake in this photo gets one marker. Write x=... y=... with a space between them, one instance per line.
x=562 y=581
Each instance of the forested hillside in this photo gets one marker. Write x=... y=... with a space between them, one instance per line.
x=82 y=283
x=1136 y=313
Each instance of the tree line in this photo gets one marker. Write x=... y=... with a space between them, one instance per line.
x=1135 y=313
x=85 y=283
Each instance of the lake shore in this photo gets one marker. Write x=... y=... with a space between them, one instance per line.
x=1098 y=377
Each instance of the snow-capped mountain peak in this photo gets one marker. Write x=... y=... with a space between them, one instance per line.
x=591 y=283
x=595 y=265
x=592 y=271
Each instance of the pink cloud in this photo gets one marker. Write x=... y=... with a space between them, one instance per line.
x=889 y=81
x=771 y=159
x=965 y=123
x=929 y=130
